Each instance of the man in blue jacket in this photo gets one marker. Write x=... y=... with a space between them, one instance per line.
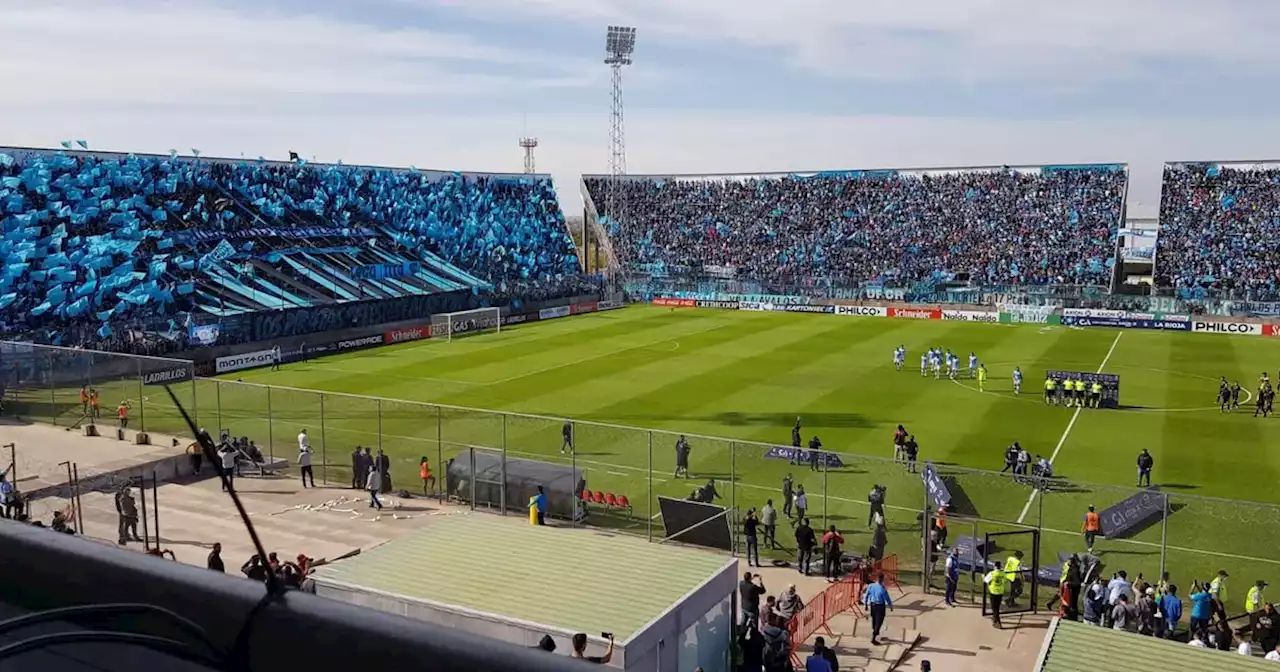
x=1170 y=606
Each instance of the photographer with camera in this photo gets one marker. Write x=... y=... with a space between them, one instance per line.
x=580 y=648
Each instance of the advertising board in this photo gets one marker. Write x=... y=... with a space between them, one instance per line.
x=804 y=308
x=553 y=313
x=608 y=305
x=580 y=308
x=990 y=317
x=1125 y=323
x=754 y=306
x=672 y=302
x=724 y=305
x=246 y=360
x=916 y=313
x=176 y=374
x=863 y=311
x=407 y=334
x=364 y=342
x=1243 y=328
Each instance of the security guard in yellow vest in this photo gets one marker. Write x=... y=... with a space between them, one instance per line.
x=1013 y=572
x=1095 y=394
x=997 y=586
x=1254 y=600
x=1049 y=386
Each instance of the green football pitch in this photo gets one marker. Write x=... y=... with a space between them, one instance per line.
x=745 y=378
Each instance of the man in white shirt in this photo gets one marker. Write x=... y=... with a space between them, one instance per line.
x=1274 y=654
x=304 y=462
x=1197 y=641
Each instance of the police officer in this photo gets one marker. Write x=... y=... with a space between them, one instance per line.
x=997 y=586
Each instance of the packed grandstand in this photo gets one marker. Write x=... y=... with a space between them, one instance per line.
x=95 y=243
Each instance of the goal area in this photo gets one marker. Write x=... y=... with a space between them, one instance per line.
x=466 y=323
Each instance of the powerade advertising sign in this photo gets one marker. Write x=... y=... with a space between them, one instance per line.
x=1245 y=328
x=801 y=456
x=247 y=360
x=1125 y=323
x=366 y=342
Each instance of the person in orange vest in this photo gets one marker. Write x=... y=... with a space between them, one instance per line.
x=1092 y=526
x=940 y=522
x=424 y=470
x=84 y=400
x=93 y=404
x=122 y=411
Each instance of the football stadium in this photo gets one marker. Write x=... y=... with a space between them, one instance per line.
x=744 y=337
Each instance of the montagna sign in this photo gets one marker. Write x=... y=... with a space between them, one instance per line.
x=247 y=360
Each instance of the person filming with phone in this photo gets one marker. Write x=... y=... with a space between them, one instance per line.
x=580 y=648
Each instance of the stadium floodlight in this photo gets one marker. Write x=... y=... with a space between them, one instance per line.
x=466 y=322
x=619 y=44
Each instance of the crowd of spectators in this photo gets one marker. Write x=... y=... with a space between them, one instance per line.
x=96 y=241
x=1220 y=232
x=1033 y=226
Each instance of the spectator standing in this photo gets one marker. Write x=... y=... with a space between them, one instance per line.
x=566 y=435
x=1201 y=608
x=877 y=600
x=682 y=457
x=304 y=464
x=953 y=575
x=538 y=502
x=367 y=466
x=228 y=456
x=122 y=412
x=7 y=491
x=1095 y=602
x=815 y=662
x=749 y=592
x=751 y=646
x=777 y=645
x=787 y=495
x=831 y=553
x=1218 y=587
x=1273 y=654
x=769 y=521
x=1266 y=628
x=357 y=469
x=1123 y=616
x=899 y=441
x=815 y=452
x=1091 y=527
x=802 y=502
x=579 y=642
x=750 y=527
x=1117 y=588
x=424 y=472
x=875 y=501
x=127 y=513
x=1146 y=612
x=373 y=483
x=821 y=649
x=1145 y=463
x=195 y=453
x=254 y=568
x=384 y=470
x=789 y=603
x=806 y=540
x=1171 y=610
x=911 y=450
x=214 y=561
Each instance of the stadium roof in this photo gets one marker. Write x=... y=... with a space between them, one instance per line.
x=1071 y=646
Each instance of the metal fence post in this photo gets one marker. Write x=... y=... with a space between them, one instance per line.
x=195 y=402
x=379 y=423
x=271 y=448
x=825 y=495
x=733 y=495
x=502 y=491
x=649 y=483
x=444 y=468
x=324 y=453
x=142 y=404
x=1164 y=535
x=53 y=394
x=471 y=452
x=217 y=402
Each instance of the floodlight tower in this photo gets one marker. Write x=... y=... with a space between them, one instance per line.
x=529 y=144
x=620 y=44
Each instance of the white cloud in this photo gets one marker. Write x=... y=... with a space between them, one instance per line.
x=973 y=40
x=68 y=51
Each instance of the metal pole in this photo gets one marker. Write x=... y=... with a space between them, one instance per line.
x=75 y=475
x=733 y=495
x=440 y=465
x=649 y=482
x=1164 y=534
x=155 y=503
x=821 y=456
x=142 y=494
x=142 y=407
x=271 y=449
x=379 y=423
x=472 y=453
x=13 y=463
x=71 y=492
x=324 y=454
x=502 y=491
x=195 y=405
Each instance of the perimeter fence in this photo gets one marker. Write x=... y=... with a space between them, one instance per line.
x=1190 y=536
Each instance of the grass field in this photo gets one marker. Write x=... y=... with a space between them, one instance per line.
x=747 y=376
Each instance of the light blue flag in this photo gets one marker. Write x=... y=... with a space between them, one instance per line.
x=66 y=144
x=195 y=152
x=83 y=144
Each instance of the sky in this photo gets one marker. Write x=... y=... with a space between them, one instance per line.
x=718 y=86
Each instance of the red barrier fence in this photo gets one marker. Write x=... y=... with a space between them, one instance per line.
x=838 y=598
x=889 y=567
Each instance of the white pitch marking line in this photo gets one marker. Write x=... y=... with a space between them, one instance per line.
x=1067 y=432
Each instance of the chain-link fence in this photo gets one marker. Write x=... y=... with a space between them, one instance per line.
x=1164 y=530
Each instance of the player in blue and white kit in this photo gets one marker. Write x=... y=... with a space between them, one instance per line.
x=973 y=365
x=1017 y=380
x=924 y=363
x=937 y=364
x=953 y=363
x=899 y=356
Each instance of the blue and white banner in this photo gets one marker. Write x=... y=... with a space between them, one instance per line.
x=801 y=456
x=204 y=334
x=223 y=251
x=935 y=486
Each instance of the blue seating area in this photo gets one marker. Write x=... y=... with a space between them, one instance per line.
x=92 y=240
x=1039 y=225
x=1220 y=231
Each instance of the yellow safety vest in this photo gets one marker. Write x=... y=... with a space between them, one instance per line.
x=1065 y=567
x=1218 y=588
x=1253 y=601
x=997 y=582
x=1048 y=384
x=1097 y=388
x=1012 y=566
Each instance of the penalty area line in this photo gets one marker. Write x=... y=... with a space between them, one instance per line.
x=1067 y=432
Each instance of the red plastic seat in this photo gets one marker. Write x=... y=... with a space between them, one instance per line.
x=623 y=502
x=610 y=500
x=597 y=497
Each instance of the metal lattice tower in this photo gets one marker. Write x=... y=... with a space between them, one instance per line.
x=620 y=44
x=529 y=144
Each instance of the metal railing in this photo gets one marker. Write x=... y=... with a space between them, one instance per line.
x=1185 y=534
